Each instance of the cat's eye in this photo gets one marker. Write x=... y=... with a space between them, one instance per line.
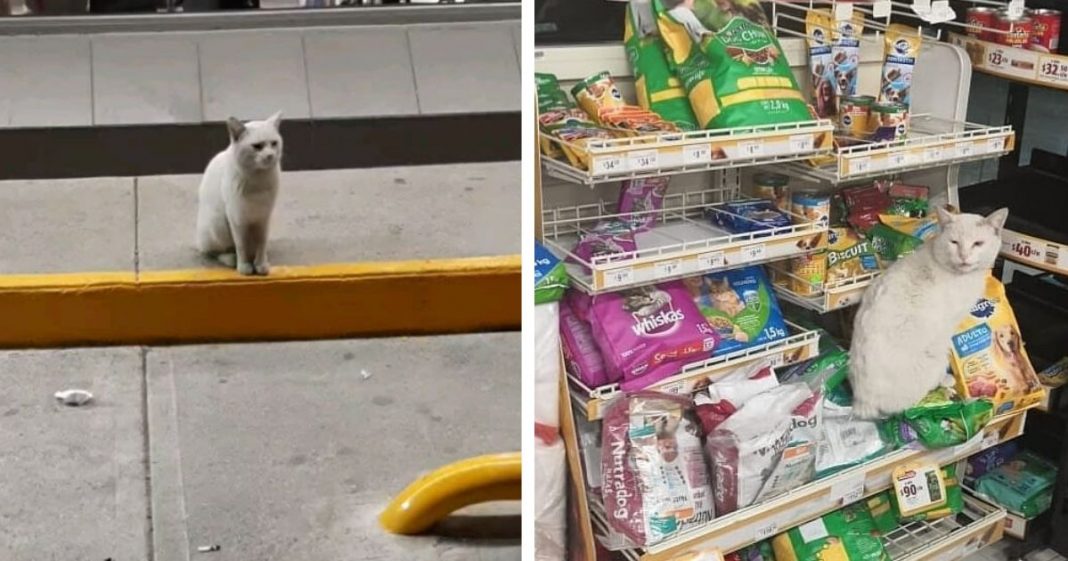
x=978 y=244
x=258 y=146
x=954 y=242
x=274 y=144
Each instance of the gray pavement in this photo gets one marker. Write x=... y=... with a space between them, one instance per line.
x=329 y=216
x=272 y=451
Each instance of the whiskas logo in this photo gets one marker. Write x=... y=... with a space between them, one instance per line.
x=660 y=323
x=984 y=308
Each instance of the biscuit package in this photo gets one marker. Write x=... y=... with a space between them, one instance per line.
x=659 y=90
x=845 y=52
x=901 y=50
x=848 y=255
x=988 y=356
x=818 y=25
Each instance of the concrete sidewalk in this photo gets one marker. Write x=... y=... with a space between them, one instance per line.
x=279 y=451
x=329 y=216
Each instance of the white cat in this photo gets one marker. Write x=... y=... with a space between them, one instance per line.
x=237 y=196
x=903 y=329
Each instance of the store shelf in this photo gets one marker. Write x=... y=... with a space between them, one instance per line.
x=833 y=295
x=673 y=153
x=800 y=345
x=681 y=243
x=759 y=522
x=948 y=539
x=931 y=142
x=1024 y=65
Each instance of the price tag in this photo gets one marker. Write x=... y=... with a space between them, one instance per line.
x=618 y=277
x=711 y=260
x=668 y=268
x=607 y=164
x=995 y=144
x=1052 y=70
x=919 y=487
x=1024 y=248
x=1016 y=8
x=843 y=11
x=751 y=149
x=776 y=360
x=896 y=159
x=965 y=150
x=801 y=143
x=849 y=491
x=765 y=531
x=990 y=440
x=753 y=253
x=881 y=9
x=921 y=7
x=643 y=159
x=858 y=166
x=697 y=154
x=932 y=154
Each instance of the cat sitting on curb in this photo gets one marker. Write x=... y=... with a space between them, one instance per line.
x=905 y=323
x=237 y=196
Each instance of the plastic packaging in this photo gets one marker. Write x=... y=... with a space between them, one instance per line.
x=740 y=305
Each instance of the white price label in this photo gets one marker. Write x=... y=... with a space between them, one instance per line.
x=965 y=150
x=697 y=154
x=765 y=531
x=919 y=487
x=618 y=277
x=751 y=149
x=1052 y=69
x=776 y=360
x=896 y=159
x=801 y=143
x=921 y=7
x=843 y=11
x=643 y=159
x=881 y=9
x=1016 y=8
x=753 y=253
x=668 y=268
x=848 y=491
x=607 y=164
x=990 y=440
x=1024 y=248
x=711 y=260
x=995 y=144
x=860 y=165
x=932 y=154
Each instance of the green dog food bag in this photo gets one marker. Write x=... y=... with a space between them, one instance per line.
x=730 y=63
x=1023 y=484
x=849 y=534
x=659 y=90
x=940 y=420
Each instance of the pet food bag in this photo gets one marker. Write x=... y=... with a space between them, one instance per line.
x=610 y=237
x=550 y=276
x=988 y=460
x=655 y=481
x=940 y=421
x=730 y=63
x=848 y=255
x=988 y=356
x=740 y=305
x=1023 y=484
x=900 y=51
x=729 y=393
x=848 y=534
x=639 y=198
x=581 y=354
x=659 y=90
x=845 y=51
x=818 y=26
x=648 y=333
x=559 y=117
x=847 y=441
x=740 y=217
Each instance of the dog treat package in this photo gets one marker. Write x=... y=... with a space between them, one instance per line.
x=848 y=255
x=988 y=460
x=745 y=448
x=659 y=90
x=890 y=244
x=906 y=200
x=848 y=534
x=654 y=478
x=740 y=217
x=648 y=333
x=954 y=500
x=988 y=356
x=1056 y=374
x=740 y=305
x=818 y=26
x=901 y=49
x=610 y=237
x=730 y=392
x=730 y=63
x=596 y=93
x=641 y=197
x=845 y=52
x=560 y=118
x=941 y=420
x=865 y=204
x=1023 y=484
x=581 y=354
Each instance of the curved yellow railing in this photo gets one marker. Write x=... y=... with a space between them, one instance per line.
x=496 y=477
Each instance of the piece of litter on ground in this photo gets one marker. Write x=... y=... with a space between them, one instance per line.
x=74 y=397
x=365 y=374
x=209 y=548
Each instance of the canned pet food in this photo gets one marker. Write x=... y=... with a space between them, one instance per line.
x=773 y=187
x=813 y=205
x=808 y=273
x=981 y=17
x=854 y=113
x=1017 y=31
x=1046 y=35
x=889 y=121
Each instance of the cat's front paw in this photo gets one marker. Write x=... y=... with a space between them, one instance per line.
x=262 y=268
x=245 y=269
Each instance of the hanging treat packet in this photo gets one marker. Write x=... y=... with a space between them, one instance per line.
x=654 y=479
x=1024 y=484
x=818 y=26
x=988 y=356
x=848 y=534
x=740 y=305
x=845 y=52
x=648 y=333
x=640 y=198
x=659 y=89
x=581 y=355
x=900 y=51
x=730 y=63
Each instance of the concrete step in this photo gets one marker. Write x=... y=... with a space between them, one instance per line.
x=273 y=451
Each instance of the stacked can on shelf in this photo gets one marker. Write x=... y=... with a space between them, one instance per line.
x=1015 y=30
x=1047 y=30
x=1038 y=30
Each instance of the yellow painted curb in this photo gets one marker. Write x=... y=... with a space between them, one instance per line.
x=429 y=500
x=312 y=302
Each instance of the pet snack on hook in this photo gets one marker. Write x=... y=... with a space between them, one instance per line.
x=845 y=51
x=818 y=25
x=900 y=51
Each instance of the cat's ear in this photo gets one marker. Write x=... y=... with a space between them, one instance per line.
x=997 y=219
x=236 y=128
x=944 y=216
x=275 y=120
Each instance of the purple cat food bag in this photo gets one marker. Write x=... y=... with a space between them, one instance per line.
x=648 y=333
x=581 y=354
x=606 y=238
x=654 y=478
x=642 y=196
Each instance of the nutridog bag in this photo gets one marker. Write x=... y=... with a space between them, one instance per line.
x=654 y=478
x=659 y=90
